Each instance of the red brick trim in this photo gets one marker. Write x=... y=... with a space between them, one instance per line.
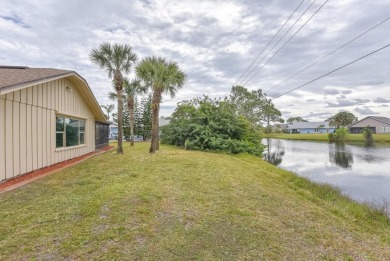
x=21 y=180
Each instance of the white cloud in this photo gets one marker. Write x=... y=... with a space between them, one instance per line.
x=381 y=100
x=213 y=42
x=365 y=111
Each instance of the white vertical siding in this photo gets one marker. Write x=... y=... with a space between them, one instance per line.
x=27 y=126
x=2 y=138
x=48 y=137
x=23 y=138
x=16 y=137
x=29 y=150
x=9 y=152
x=34 y=136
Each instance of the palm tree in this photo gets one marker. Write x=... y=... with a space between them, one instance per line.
x=115 y=59
x=113 y=96
x=108 y=109
x=132 y=88
x=334 y=121
x=161 y=76
x=342 y=119
x=320 y=127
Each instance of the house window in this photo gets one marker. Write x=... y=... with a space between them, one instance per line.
x=69 y=132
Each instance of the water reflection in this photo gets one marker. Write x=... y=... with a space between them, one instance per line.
x=275 y=152
x=359 y=171
x=340 y=156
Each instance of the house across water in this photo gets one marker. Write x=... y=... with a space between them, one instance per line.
x=309 y=127
x=376 y=124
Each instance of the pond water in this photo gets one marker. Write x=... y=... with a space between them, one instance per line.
x=361 y=172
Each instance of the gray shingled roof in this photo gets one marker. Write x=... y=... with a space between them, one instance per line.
x=307 y=125
x=383 y=119
x=377 y=118
x=15 y=75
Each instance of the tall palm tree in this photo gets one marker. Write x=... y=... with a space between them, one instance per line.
x=116 y=59
x=108 y=109
x=161 y=76
x=132 y=88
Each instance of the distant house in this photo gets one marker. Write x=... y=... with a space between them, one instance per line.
x=113 y=131
x=46 y=116
x=376 y=124
x=279 y=127
x=309 y=127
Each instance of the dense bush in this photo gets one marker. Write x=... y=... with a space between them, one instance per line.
x=367 y=134
x=340 y=135
x=210 y=125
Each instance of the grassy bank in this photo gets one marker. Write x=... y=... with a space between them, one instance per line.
x=182 y=205
x=324 y=137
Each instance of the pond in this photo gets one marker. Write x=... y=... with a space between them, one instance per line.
x=361 y=172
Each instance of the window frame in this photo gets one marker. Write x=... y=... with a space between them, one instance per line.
x=63 y=132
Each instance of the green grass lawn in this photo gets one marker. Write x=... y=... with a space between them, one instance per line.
x=324 y=137
x=185 y=205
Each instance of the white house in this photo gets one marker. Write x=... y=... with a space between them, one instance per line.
x=113 y=131
x=46 y=116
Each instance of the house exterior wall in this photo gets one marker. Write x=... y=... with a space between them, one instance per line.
x=311 y=130
x=28 y=126
x=380 y=127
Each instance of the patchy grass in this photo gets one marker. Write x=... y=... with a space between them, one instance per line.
x=185 y=205
x=324 y=137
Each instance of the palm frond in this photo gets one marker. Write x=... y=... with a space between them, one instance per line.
x=112 y=96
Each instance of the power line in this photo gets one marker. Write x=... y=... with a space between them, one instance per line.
x=319 y=60
x=285 y=43
x=288 y=19
x=335 y=70
x=278 y=42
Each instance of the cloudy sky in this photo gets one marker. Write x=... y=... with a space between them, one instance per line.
x=214 y=42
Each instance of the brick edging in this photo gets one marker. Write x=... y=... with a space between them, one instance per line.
x=29 y=177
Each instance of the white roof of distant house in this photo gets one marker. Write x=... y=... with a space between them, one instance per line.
x=281 y=125
x=308 y=125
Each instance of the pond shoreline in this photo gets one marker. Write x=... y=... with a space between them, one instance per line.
x=380 y=138
x=357 y=170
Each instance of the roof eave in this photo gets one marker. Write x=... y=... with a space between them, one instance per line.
x=99 y=115
x=88 y=94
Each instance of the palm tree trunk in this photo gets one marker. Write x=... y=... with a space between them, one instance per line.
x=155 y=114
x=119 y=149
x=131 y=111
x=157 y=141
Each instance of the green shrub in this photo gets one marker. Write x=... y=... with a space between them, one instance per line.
x=367 y=134
x=210 y=125
x=339 y=136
